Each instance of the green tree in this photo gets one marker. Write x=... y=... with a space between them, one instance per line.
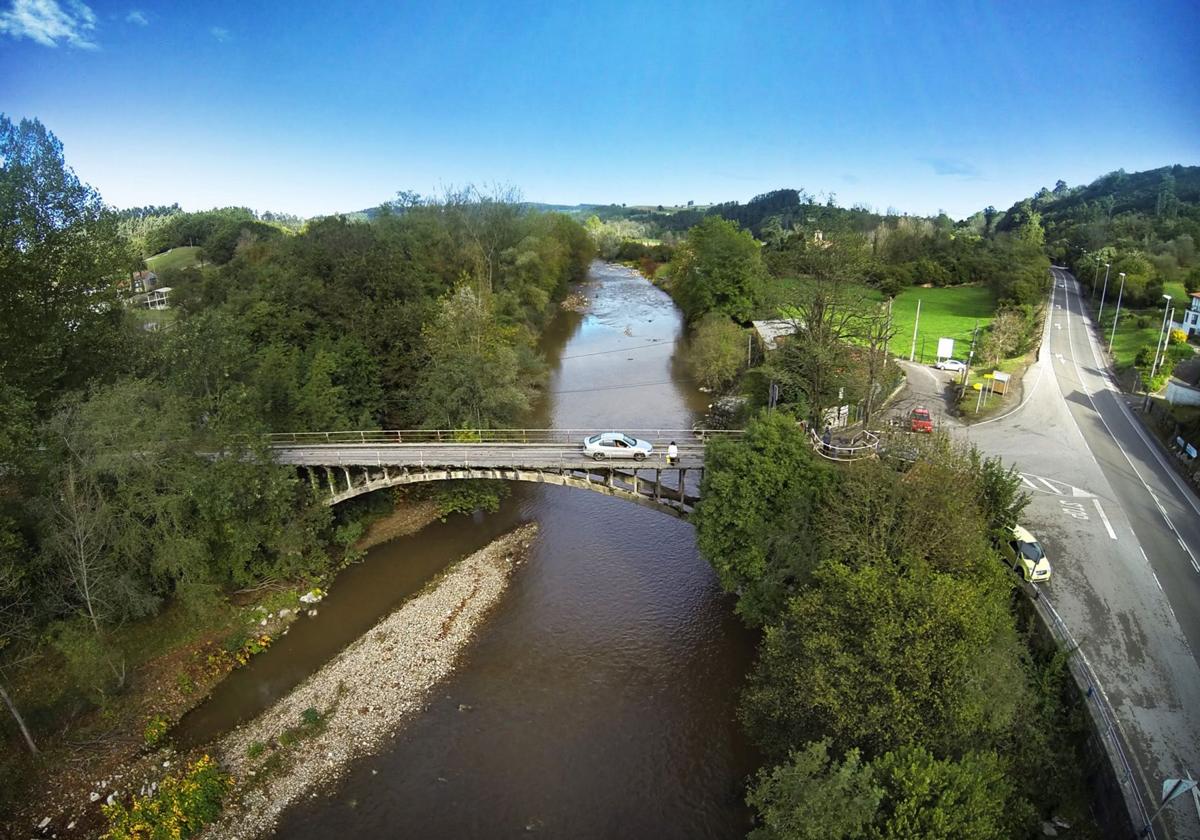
x=718 y=268
x=473 y=375
x=717 y=351
x=60 y=256
x=756 y=489
x=936 y=799
x=813 y=797
x=876 y=658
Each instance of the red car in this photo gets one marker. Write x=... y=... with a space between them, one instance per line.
x=920 y=421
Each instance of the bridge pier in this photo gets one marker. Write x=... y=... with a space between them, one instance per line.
x=682 y=483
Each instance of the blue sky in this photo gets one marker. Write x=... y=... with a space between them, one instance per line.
x=315 y=108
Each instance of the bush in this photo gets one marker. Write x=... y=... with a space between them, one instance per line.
x=718 y=351
x=155 y=731
x=180 y=808
x=1179 y=337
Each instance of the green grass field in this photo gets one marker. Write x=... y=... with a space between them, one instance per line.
x=949 y=312
x=184 y=257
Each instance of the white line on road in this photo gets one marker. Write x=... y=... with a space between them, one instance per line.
x=1144 y=557
x=1133 y=423
x=1053 y=489
x=1156 y=580
x=1104 y=518
x=1029 y=483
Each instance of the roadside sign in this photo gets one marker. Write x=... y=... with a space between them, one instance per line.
x=945 y=348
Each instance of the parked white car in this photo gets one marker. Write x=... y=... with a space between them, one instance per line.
x=616 y=445
x=952 y=365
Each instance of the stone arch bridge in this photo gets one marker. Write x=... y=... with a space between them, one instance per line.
x=349 y=464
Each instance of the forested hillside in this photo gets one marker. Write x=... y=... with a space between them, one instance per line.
x=1146 y=224
x=109 y=510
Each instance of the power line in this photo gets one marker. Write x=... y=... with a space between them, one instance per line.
x=619 y=350
x=619 y=387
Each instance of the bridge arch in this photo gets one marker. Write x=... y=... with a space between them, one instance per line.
x=664 y=490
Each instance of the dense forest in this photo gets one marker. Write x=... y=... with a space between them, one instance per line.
x=427 y=315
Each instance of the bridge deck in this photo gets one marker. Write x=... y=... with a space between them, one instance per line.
x=477 y=455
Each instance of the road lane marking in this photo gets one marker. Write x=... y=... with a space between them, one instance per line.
x=1157 y=581
x=1073 y=509
x=1117 y=443
x=1144 y=557
x=1053 y=489
x=1104 y=518
x=1028 y=483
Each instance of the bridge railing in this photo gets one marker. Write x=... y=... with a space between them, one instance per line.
x=458 y=456
x=469 y=436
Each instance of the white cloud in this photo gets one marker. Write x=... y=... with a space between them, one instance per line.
x=138 y=17
x=220 y=33
x=48 y=23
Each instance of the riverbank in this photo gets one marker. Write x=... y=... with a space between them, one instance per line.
x=408 y=517
x=351 y=706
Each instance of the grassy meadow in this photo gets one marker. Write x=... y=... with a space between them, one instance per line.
x=184 y=257
x=947 y=312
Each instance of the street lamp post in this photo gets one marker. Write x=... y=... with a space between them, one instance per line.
x=1100 y=314
x=1096 y=279
x=1161 y=345
x=1117 y=315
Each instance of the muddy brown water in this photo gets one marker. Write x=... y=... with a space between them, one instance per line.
x=599 y=698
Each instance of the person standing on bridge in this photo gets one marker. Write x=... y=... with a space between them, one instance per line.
x=672 y=454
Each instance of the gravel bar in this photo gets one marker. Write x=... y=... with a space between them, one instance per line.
x=366 y=694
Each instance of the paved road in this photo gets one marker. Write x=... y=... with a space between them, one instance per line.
x=1122 y=531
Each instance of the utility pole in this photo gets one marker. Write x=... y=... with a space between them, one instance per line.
x=1100 y=314
x=1161 y=344
x=1117 y=315
x=912 y=353
x=970 y=356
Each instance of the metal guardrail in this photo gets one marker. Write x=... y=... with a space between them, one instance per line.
x=1108 y=728
x=864 y=445
x=469 y=436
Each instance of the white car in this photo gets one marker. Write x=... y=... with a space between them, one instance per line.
x=952 y=365
x=616 y=445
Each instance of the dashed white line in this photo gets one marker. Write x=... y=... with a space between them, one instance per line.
x=1144 y=557
x=1157 y=581
x=1104 y=518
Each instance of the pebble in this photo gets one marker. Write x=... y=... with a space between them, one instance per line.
x=393 y=685
x=45 y=822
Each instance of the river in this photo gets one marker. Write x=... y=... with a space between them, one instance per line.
x=599 y=699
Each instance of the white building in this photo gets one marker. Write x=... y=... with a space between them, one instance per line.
x=158 y=298
x=1191 y=317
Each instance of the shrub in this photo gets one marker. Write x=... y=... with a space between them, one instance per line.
x=155 y=731
x=1179 y=337
x=180 y=808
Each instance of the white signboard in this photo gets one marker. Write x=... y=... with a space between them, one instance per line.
x=945 y=348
